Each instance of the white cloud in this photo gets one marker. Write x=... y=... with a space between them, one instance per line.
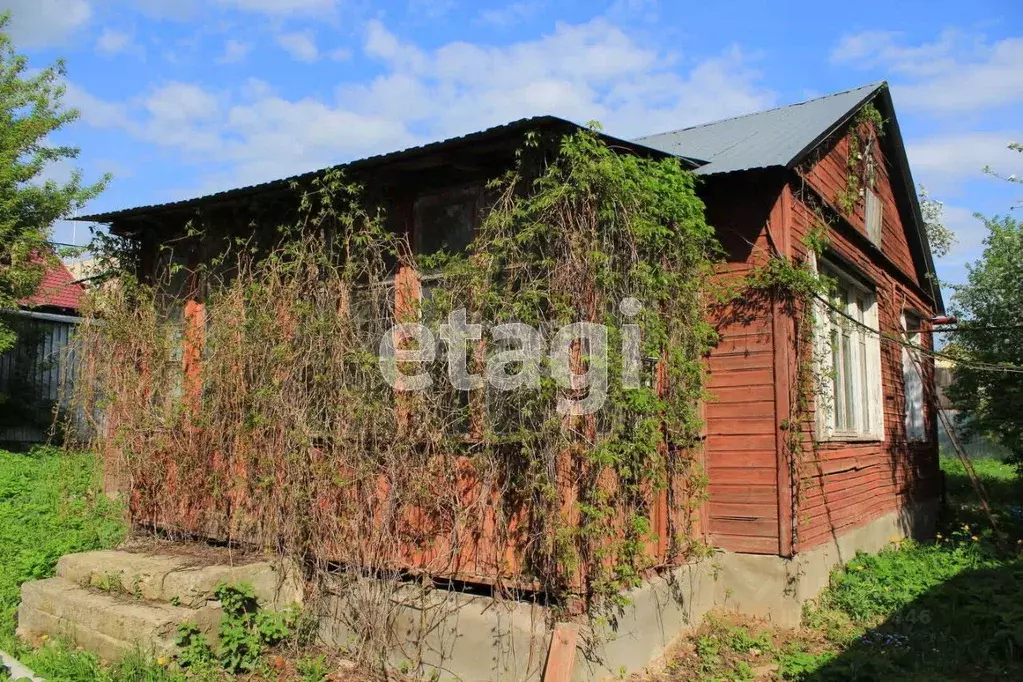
x=97 y=112
x=341 y=54
x=510 y=15
x=37 y=23
x=181 y=102
x=112 y=41
x=282 y=7
x=970 y=234
x=301 y=45
x=588 y=71
x=956 y=73
x=235 y=52
x=961 y=155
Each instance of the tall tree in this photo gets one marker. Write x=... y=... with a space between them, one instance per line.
x=988 y=385
x=31 y=110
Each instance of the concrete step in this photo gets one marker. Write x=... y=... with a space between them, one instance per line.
x=108 y=624
x=177 y=580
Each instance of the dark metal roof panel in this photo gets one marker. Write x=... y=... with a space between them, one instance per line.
x=776 y=137
x=520 y=125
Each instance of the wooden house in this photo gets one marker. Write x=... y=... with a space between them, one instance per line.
x=769 y=179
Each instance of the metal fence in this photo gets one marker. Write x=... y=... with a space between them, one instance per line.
x=36 y=375
x=977 y=446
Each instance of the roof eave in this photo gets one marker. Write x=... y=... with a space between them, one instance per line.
x=283 y=184
x=881 y=90
x=837 y=125
x=909 y=186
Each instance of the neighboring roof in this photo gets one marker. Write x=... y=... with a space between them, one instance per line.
x=57 y=290
x=496 y=132
x=776 y=137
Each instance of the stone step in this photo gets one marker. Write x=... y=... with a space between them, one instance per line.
x=108 y=624
x=179 y=580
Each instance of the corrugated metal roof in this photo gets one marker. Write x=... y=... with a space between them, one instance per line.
x=520 y=125
x=776 y=137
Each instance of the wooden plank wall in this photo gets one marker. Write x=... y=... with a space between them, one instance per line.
x=849 y=484
x=741 y=454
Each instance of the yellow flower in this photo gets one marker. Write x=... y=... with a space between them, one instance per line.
x=938 y=536
x=861 y=568
x=161 y=661
x=44 y=637
x=974 y=538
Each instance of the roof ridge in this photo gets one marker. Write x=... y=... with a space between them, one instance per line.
x=869 y=86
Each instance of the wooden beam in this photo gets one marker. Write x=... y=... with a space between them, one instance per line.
x=783 y=328
x=561 y=656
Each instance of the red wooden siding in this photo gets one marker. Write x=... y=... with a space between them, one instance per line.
x=741 y=454
x=851 y=483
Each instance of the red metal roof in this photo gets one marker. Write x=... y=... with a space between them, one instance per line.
x=58 y=289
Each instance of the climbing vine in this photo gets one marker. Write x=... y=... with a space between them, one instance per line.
x=867 y=128
x=283 y=431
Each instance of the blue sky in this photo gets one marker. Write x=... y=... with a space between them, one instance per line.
x=185 y=97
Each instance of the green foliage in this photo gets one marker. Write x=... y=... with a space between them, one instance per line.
x=294 y=397
x=867 y=128
x=31 y=110
x=949 y=609
x=245 y=633
x=990 y=310
x=569 y=242
x=60 y=661
x=876 y=586
x=802 y=665
x=312 y=668
x=49 y=506
x=194 y=649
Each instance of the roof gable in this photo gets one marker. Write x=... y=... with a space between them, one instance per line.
x=782 y=137
x=776 y=137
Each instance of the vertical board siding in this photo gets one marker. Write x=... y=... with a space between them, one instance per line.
x=48 y=367
x=849 y=484
x=741 y=457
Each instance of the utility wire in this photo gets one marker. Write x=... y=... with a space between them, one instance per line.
x=974 y=364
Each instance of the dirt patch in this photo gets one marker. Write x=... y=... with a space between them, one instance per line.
x=197 y=554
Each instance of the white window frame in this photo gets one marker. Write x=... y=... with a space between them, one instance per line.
x=915 y=422
x=859 y=341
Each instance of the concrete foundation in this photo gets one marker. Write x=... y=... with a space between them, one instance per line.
x=464 y=637
x=110 y=602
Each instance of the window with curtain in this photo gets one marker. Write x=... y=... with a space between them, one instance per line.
x=850 y=399
x=912 y=381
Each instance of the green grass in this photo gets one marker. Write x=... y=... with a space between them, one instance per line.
x=949 y=610
x=49 y=507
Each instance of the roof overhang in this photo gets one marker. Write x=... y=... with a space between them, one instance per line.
x=414 y=158
x=903 y=186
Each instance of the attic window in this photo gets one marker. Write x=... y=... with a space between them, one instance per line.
x=873 y=212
